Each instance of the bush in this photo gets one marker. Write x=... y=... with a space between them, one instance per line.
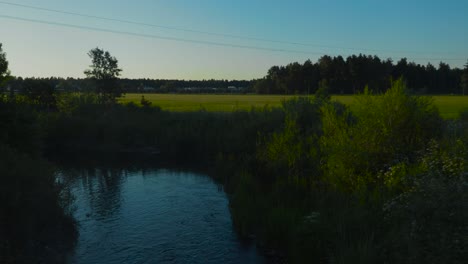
x=35 y=224
x=19 y=128
x=464 y=115
x=428 y=222
x=293 y=151
x=382 y=131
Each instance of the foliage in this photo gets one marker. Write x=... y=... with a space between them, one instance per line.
x=344 y=76
x=4 y=72
x=382 y=131
x=464 y=114
x=313 y=180
x=291 y=151
x=35 y=224
x=19 y=126
x=104 y=71
x=350 y=75
x=323 y=91
x=340 y=185
x=428 y=221
x=68 y=103
x=84 y=125
x=144 y=102
x=464 y=80
x=40 y=93
x=263 y=86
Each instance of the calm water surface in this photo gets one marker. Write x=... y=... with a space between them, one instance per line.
x=156 y=216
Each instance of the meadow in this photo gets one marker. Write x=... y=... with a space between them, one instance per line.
x=449 y=105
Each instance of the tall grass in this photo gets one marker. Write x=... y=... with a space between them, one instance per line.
x=312 y=180
x=35 y=221
x=360 y=186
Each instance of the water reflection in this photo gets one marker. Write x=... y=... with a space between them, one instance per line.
x=153 y=216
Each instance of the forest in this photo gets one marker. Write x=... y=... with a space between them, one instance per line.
x=351 y=75
x=342 y=76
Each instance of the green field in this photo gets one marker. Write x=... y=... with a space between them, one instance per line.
x=449 y=106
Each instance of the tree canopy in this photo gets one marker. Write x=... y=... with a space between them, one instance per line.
x=350 y=75
x=4 y=72
x=464 y=80
x=105 y=72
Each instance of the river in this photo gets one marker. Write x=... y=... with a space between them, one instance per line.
x=153 y=216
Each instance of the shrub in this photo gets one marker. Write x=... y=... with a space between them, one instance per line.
x=34 y=224
x=464 y=115
x=427 y=222
x=381 y=131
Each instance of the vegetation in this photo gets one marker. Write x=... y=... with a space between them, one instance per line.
x=449 y=106
x=36 y=225
x=351 y=75
x=35 y=219
x=363 y=186
x=104 y=72
x=208 y=102
x=464 y=80
x=383 y=180
x=313 y=179
x=4 y=73
x=84 y=125
x=342 y=75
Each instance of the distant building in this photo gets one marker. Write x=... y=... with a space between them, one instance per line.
x=234 y=89
x=148 y=89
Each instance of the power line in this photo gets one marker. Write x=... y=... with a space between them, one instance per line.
x=179 y=39
x=154 y=36
x=211 y=33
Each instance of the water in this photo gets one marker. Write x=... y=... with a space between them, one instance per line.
x=157 y=216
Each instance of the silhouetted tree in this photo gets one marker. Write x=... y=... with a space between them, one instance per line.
x=352 y=74
x=263 y=86
x=431 y=78
x=464 y=80
x=323 y=92
x=443 y=74
x=144 y=102
x=4 y=72
x=105 y=72
x=40 y=92
x=311 y=76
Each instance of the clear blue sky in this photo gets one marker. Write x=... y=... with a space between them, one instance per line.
x=421 y=30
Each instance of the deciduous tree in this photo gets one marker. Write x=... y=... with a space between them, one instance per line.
x=4 y=72
x=105 y=72
x=464 y=80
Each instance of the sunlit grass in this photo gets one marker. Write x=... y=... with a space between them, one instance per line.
x=449 y=106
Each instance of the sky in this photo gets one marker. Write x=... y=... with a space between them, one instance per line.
x=221 y=39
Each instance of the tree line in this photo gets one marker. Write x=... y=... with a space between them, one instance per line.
x=312 y=180
x=36 y=223
x=353 y=74
x=335 y=74
x=126 y=85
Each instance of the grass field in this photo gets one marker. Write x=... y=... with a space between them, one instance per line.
x=449 y=106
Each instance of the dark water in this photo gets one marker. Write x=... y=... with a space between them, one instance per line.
x=157 y=216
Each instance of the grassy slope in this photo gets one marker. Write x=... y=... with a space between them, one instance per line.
x=449 y=106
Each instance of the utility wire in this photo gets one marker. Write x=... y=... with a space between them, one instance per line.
x=154 y=36
x=211 y=33
x=178 y=39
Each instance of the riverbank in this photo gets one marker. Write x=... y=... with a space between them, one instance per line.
x=312 y=180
